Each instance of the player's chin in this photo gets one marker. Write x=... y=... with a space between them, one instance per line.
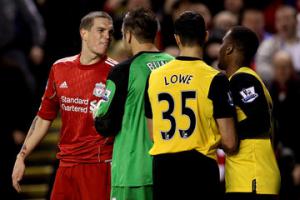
x=101 y=50
x=221 y=66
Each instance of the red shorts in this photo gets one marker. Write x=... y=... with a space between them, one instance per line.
x=82 y=182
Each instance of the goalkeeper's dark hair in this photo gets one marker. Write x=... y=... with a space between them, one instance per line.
x=190 y=27
x=142 y=23
x=245 y=41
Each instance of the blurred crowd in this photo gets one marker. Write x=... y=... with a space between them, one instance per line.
x=35 y=33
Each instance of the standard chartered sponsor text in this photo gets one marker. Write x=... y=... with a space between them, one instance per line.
x=81 y=104
x=76 y=100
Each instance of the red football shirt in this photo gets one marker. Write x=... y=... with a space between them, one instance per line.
x=72 y=89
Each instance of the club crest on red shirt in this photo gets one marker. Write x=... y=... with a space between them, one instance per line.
x=99 y=89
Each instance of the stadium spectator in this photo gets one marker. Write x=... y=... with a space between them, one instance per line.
x=285 y=91
x=285 y=39
x=21 y=38
x=234 y=6
x=254 y=20
x=211 y=52
x=224 y=20
x=16 y=109
x=22 y=30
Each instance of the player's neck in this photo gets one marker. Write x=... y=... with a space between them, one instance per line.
x=196 y=52
x=143 y=47
x=87 y=58
x=233 y=67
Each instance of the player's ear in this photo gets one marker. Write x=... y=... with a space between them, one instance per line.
x=128 y=36
x=178 y=41
x=229 y=49
x=83 y=34
x=206 y=36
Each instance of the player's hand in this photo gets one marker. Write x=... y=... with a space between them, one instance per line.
x=296 y=174
x=18 y=172
x=19 y=137
x=36 y=55
x=94 y=107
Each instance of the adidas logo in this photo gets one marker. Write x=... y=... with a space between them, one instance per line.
x=63 y=85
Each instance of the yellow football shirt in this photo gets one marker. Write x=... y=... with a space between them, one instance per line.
x=186 y=95
x=254 y=167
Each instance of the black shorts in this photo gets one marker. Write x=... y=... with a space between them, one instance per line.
x=185 y=175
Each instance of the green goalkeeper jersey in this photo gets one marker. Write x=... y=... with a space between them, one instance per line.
x=122 y=113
